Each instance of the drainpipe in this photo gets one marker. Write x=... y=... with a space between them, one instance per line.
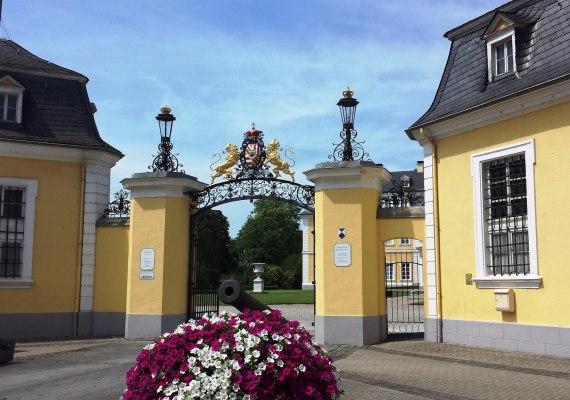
x=437 y=233
x=80 y=246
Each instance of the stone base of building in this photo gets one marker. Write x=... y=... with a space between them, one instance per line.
x=109 y=324
x=538 y=339
x=20 y=326
x=151 y=326
x=354 y=330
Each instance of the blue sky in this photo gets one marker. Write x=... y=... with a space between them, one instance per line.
x=222 y=64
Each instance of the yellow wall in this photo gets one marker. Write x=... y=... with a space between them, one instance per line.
x=56 y=236
x=161 y=224
x=347 y=290
x=550 y=129
x=111 y=260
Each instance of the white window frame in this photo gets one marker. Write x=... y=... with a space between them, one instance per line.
x=532 y=280
x=389 y=242
x=31 y=190
x=409 y=268
x=12 y=89
x=502 y=36
x=389 y=265
x=405 y=241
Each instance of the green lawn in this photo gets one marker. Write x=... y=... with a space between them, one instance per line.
x=285 y=297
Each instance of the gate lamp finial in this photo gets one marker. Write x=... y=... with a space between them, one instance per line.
x=165 y=160
x=348 y=149
x=347 y=106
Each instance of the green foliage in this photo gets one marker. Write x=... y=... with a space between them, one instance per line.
x=273 y=276
x=271 y=234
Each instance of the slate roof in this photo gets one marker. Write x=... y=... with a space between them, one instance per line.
x=542 y=57
x=56 y=107
x=416 y=179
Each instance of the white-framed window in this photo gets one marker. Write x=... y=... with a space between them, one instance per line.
x=8 y=107
x=405 y=181
x=405 y=241
x=389 y=242
x=505 y=227
x=390 y=271
x=501 y=53
x=17 y=209
x=405 y=271
x=11 y=100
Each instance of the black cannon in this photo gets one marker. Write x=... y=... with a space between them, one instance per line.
x=6 y=351
x=231 y=293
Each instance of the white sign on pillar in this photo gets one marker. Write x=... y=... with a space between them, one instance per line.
x=342 y=254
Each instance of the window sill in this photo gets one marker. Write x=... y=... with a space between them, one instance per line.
x=506 y=282
x=16 y=283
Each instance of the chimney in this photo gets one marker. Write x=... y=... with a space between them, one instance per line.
x=420 y=167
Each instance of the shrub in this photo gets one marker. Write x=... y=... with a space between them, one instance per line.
x=255 y=355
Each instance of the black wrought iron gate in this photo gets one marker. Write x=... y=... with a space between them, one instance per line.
x=404 y=294
x=206 y=258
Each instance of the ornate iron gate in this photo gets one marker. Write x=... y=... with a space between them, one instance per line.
x=206 y=258
x=404 y=293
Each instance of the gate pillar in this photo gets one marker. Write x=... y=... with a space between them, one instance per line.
x=350 y=295
x=157 y=288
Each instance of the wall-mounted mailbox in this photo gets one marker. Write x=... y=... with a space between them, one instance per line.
x=505 y=300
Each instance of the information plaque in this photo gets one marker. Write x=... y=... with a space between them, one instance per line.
x=146 y=275
x=342 y=255
x=147 y=259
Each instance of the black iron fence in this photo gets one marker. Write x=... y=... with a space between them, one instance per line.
x=404 y=292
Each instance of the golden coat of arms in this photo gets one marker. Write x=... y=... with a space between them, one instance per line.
x=253 y=160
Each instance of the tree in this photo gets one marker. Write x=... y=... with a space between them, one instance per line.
x=270 y=234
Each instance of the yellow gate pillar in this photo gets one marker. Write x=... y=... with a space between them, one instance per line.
x=350 y=295
x=157 y=281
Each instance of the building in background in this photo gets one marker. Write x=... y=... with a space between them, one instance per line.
x=54 y=185
x=496 y=142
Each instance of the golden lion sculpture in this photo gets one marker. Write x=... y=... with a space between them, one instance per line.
x=224 y=168
x=272 y=156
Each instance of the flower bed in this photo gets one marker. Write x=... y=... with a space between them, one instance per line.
x=254 y=355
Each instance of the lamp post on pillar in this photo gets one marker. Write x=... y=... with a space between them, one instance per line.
x=348 y=149
x=165 y=160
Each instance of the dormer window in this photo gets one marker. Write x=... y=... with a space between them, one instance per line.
x=501 y=47
x=8 y=107
x=11 y=99
x=504 y=57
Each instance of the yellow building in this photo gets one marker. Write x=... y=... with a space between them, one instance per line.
x=495 y=142
x=54 y=185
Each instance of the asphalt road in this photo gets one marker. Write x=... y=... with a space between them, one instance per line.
x=96 y=373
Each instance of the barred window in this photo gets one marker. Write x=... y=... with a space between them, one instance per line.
x=505 y=214
x=12 y=206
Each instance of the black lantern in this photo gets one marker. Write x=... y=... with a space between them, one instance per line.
x=347 y=106
x=165 y=121
x=348 y=148
x=165 y=160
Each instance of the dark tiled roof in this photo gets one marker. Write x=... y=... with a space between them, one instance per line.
x=56 y=107
x=543 y=56
x=416 y=179
x=15 y=57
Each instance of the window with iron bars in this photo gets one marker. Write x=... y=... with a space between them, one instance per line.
x=506 y=216
x=12 y=206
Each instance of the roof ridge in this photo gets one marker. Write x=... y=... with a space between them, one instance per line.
x=52 y=66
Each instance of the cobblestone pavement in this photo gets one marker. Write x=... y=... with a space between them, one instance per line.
x=95 y=370
x=421 y=370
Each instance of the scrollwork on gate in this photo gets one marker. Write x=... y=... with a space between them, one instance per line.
x=255 y=188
